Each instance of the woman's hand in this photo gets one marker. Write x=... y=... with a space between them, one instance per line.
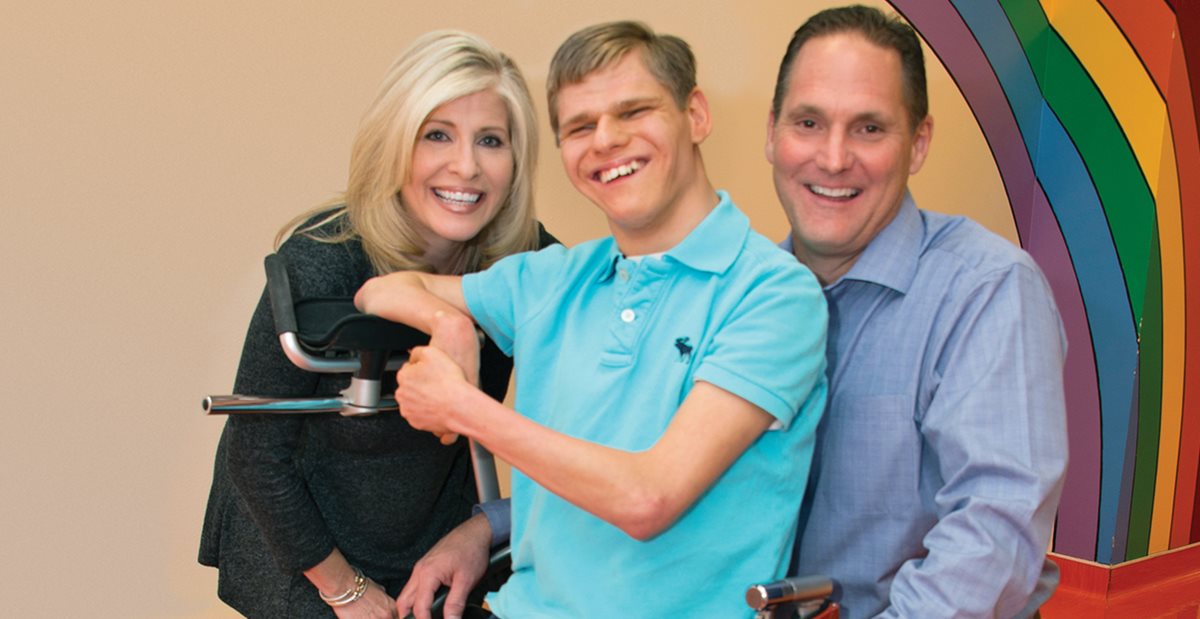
x=374 y=604
x=334 y=576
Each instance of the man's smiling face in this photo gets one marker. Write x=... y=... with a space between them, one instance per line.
x=842 y=149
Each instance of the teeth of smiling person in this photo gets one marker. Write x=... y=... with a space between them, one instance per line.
x=830 y=192
x=458 y=196
x=619 y=171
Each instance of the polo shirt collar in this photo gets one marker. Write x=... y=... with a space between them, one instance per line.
x=714 y=245
x=711 y=246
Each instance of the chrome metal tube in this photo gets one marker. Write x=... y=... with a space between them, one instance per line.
x=295 y=352
x=361 y=397
x=484 y=464
x=795 y=589
x=238 y=404
x=301 y=359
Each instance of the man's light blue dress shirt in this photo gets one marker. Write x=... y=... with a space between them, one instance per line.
x=941 y=456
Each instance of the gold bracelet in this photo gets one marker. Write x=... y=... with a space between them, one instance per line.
x=350 y=595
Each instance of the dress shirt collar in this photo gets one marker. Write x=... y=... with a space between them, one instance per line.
x=890 y=259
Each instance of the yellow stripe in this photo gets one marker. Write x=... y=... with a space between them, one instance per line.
x=1090 y=33
x=1100 y=46
x=1169 y=208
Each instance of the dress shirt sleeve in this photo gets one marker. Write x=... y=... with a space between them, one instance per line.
x=262 y=449
x=499 y=517
x=994 y=428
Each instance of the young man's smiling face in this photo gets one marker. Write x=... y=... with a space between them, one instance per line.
x=842 y=149
x=628 y=148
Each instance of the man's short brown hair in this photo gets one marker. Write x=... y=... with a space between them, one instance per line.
x=888 y=32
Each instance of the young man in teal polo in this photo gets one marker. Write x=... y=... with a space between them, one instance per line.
x=657 y=447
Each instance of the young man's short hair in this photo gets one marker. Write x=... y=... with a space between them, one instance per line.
x=668 y=58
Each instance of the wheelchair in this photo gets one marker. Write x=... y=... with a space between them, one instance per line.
x=330 y=335
x=797 y=597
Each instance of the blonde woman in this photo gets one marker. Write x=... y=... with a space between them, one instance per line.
x=303 y=507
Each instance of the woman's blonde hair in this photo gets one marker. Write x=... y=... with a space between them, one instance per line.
x=437 y=68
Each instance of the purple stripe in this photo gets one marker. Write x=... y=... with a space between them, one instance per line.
x=949 y=38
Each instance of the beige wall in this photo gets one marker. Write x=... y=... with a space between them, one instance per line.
x=148 y=152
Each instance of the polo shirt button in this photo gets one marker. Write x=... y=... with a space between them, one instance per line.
x=627 y=315
x=624 y=275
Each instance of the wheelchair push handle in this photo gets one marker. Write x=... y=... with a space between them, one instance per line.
x=280 y=292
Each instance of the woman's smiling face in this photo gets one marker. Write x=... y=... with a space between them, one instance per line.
x=462 y=171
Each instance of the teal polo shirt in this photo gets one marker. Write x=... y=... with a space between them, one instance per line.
x=605 y=350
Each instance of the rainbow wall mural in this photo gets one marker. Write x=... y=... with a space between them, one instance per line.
x=1089 y=108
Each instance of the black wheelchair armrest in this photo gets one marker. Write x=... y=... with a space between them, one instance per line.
x=320 y=326
x=327 y=335
x=330 y=335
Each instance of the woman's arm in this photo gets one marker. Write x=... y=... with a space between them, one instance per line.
x=334 y=576
x=262 y=448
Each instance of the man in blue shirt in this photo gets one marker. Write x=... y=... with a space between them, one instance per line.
x=652 y=408
x=941 y=455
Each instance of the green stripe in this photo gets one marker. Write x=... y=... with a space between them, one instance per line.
x=1130 y=212
x=1087 y=118
x=1145 y=468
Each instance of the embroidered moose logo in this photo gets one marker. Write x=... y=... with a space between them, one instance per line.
x=685 y=349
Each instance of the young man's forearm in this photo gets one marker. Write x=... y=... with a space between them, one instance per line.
x=642 y=493
x=411 y=298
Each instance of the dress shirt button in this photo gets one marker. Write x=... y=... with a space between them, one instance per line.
x=627 y=315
